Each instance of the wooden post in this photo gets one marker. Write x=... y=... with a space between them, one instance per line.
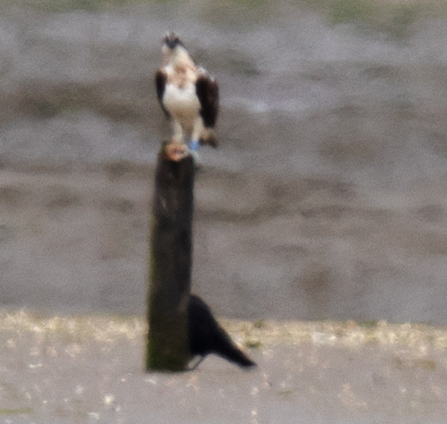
x=170 y=260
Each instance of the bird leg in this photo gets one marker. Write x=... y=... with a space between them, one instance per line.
x=178 y=132
x=197 y=130
x=194 y=151
x=194 y=145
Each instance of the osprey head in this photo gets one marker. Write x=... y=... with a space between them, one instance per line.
x=173 y=49
x=171 y=41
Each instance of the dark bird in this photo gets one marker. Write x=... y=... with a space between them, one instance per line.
x=188 y=95
x=207 y=336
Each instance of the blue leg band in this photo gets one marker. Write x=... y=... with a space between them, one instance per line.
x=194 y=145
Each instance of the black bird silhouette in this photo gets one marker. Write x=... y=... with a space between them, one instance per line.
x=207 y=336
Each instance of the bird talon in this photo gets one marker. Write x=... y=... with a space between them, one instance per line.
x=176 y=151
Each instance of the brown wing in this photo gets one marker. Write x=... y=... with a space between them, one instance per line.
x=160 y=84
x=207 y=92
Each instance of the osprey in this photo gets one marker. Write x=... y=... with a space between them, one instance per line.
x=188 y=95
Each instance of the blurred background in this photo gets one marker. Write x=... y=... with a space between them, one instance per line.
x=326 y=199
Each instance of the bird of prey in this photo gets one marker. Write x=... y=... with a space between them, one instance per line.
x=207 y=336
x=188 y=95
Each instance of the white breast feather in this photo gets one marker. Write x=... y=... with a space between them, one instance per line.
x=182 y=103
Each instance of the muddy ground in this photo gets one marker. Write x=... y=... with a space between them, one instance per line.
x=325 y=200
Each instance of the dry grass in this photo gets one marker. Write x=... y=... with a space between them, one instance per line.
x=85 y=368
x=258 y=334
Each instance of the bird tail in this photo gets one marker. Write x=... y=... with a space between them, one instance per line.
x=227 y=349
